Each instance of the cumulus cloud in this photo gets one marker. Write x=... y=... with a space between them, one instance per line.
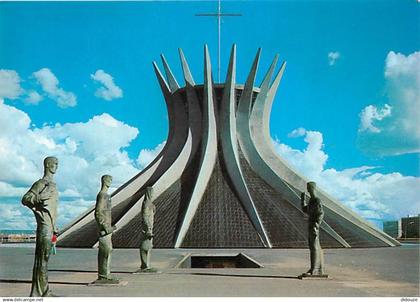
x=8 y=190
x=333 y=56
x=16 y=217
x=146 y=156
x=398 y=133
x=33 y=98
x=312 y=159
x=297 y=132
x=70 y=209
x=85 y=150
x=50 y=85
x=373 y=195
x=9 y=84
x=371 y=114
x=108 y=90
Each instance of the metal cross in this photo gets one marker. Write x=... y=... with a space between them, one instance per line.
x=219 y=16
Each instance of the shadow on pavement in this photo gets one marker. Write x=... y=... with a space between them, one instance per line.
x=86 y=271
x=239 y=276
x=50 y=282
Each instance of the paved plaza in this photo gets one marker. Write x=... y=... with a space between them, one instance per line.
x=353 y=272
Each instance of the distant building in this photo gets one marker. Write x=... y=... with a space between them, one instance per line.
x=410 y=227
x=393 y=228
x=17 y=237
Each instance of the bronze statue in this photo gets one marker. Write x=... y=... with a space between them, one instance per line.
x=316 y=214
x=103 y=219
x=147 y=213
x=42 y=199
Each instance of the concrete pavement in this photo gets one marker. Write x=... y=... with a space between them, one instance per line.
x=353 y=272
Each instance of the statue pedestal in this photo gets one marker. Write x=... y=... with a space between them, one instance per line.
x=108 y=282
x=316 y=276
x=147 y=271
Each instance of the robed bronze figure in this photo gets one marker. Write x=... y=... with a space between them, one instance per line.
x=104 y=222
x=315 y=216
x=42 y=199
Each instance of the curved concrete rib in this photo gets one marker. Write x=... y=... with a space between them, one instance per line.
x=260 y=134
x=229 y=146
x=265 y=84
x=253 y=157
x=186 y=69
x=173 y=84
x=193 y=105
x=128 y=188
x=195 y=118
x=172 y=174
x=135 y=183
x=208 y=151
x=176 y=143
x=163 y=181
x=177 y=137
x=88 y=215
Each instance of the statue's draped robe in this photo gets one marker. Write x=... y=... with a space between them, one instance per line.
x=103 y=220
x=45 y=211
x=146 y=243
x=316 y=215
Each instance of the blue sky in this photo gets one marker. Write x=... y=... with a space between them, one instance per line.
x=350 y=86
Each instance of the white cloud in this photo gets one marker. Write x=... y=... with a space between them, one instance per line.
x=371 y=114
x=16 y=217
x=85 y=151
x=297 y=132
x=403 y=76
x=109 y=90
x=9 y=84
x=33 y=98
x=8 y=190
x=333 y=56
x=146 y=156
x=312 y=159
x=397 y=64
x=399 y=133
x=89 y=150
x=373 y=195
x=68 y=210
x=49 y=84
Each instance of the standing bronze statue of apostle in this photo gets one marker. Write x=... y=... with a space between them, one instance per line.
x=104 y=219
x=146 y=242
x=315 y=216
x=42 y=199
